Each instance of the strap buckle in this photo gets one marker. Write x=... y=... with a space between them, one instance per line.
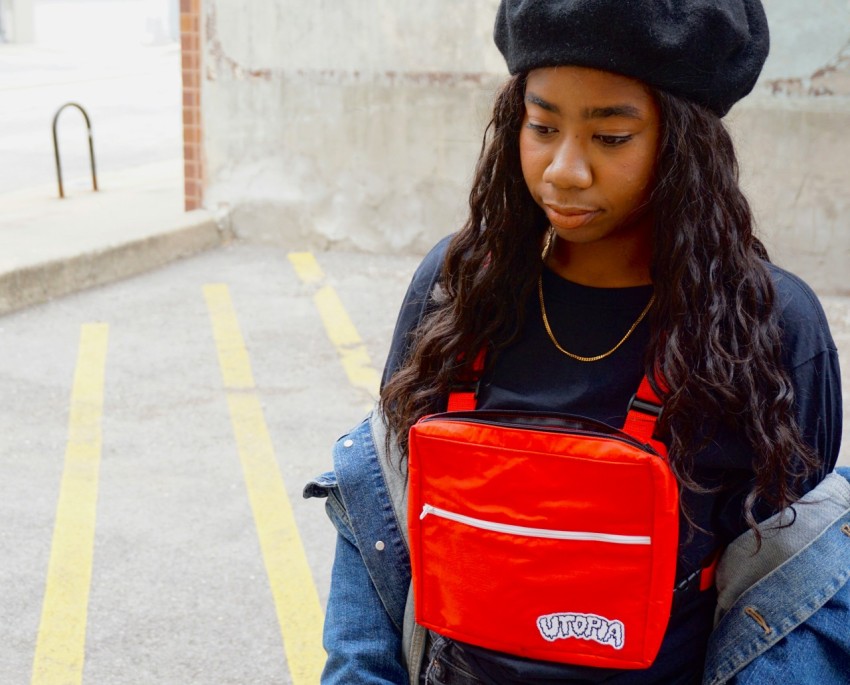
x=644 y=407
x=466 y=387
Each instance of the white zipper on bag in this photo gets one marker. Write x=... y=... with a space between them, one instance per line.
x=577 y=535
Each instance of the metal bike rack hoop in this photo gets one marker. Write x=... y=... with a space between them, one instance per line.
x=56 y=146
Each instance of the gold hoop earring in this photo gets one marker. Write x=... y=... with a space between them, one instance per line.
x=549 y=244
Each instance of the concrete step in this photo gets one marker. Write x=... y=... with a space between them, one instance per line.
x=135 y=222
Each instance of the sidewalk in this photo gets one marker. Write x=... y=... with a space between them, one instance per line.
x=134 y=223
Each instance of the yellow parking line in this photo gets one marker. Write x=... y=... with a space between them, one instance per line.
x=296 y=600
x=60 y=648
x=338 y=326
x=307 y=267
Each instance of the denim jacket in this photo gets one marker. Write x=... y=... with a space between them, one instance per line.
x=790 y=598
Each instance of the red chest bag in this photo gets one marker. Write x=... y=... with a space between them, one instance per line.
x=542 y=535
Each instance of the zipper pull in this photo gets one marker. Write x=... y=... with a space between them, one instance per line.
x=426 y=509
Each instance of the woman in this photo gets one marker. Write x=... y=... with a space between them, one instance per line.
x=607 y=240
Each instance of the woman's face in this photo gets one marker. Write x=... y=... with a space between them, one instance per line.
x=588 y=147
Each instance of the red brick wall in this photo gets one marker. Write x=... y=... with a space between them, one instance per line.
x=190 y=42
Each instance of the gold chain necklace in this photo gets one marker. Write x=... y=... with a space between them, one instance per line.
x=598 y=356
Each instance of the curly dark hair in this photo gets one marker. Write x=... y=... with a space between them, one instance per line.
x=714 y=335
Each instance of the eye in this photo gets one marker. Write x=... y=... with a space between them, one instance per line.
x=540 y=130
x=613 y=141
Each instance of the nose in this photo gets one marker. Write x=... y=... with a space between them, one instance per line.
x=569 y=166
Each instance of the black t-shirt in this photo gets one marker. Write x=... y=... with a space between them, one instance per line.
x=532 y=374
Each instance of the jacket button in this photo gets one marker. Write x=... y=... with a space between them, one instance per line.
x=379 y=545
x=438 y=668
x=348 y=443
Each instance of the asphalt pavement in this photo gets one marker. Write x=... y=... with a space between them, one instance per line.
x=179 y=590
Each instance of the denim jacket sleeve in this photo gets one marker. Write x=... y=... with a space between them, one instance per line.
x=785 y=611
x=371 y=570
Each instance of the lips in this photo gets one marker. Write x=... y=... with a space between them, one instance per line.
x=570 y=217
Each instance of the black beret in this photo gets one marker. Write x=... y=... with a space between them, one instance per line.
x=707 y=51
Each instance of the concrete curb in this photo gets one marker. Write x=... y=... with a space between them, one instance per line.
x=38 y=283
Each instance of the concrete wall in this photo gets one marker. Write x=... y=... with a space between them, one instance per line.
x=346 y=122
x=793 y=143
x=356 y=123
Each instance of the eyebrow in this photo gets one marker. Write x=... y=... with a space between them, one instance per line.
x=541 y=103
x=626 y=111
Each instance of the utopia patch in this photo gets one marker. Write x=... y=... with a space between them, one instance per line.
x=584 y=627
